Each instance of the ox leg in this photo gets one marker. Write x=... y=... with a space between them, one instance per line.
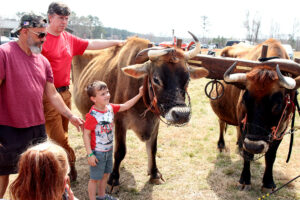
x=151 y=146
x=239 y=141
x=245 y=179
x=119 y=154
x=221 y=142
x=268 y=181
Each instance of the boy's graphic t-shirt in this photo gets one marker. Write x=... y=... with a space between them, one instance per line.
x=102 y=127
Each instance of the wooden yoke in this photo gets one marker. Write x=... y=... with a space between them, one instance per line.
x=217 y=65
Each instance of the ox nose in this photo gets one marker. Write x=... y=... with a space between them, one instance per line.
x=178 y=115
x=255 y=147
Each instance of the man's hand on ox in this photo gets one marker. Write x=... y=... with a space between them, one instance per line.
x=76 y=121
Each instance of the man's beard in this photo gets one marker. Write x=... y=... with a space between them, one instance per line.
x=35 y=49
x=34 y=46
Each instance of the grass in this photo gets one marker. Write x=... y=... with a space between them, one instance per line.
x=190 y=162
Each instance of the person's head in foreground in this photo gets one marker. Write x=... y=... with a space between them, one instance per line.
x=42 y=174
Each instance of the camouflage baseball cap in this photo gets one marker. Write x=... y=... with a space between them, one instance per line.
x=30 y=20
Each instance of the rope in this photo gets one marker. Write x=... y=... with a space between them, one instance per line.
x=269 y=194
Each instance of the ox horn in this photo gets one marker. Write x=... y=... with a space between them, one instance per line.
x=142 y=56
x=284 y=81
x=192 y=53
x=152 y=54
x=237 y=77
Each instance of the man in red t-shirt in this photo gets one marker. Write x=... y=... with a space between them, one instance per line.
x=25 y=75
x=59 y=49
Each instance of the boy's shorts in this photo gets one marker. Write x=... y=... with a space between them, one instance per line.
x=14 y=141
x=104 y=165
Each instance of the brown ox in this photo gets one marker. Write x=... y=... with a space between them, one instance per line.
x=259 y=99
x=165 y=76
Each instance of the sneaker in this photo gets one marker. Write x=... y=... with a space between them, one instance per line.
x=107 y=197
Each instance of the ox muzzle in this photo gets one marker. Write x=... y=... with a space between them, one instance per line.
x=256 y=139
x=176 y=109
x=178 y=115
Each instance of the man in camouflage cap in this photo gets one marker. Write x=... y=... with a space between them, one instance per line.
x=25 y=75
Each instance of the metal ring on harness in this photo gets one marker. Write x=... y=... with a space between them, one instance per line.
x=214 y=84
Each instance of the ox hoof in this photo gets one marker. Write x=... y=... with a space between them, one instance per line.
x=221 y=147
x=156 y=178
x=244 y=187
x=110 y=189
x=267 y=190
x=156 y=181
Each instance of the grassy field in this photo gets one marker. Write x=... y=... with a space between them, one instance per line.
x=190 y=162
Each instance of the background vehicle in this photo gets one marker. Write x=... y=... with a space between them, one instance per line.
x=232 y=42
x=171 y=44
x=4 y=39
x=289 y=50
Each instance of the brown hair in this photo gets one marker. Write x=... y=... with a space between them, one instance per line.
x=40 y=167
x=59 y=9
x=95 y=86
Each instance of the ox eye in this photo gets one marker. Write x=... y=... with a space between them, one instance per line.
x=276 y=109
x=156 y=81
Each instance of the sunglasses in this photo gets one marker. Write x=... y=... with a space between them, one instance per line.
x=39 y=34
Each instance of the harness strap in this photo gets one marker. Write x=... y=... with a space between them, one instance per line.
x=152 y=97
x=275 y=129
x=292 y=127
x=244 y=121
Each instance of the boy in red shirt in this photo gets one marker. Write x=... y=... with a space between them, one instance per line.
x=98 y=136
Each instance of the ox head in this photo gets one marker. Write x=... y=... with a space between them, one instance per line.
x=166 y=76
x=262 y=105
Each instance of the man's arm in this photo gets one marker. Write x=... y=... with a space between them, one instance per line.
x=61 y=107
x=0 y=82
x=128 y=104
x=102 y=44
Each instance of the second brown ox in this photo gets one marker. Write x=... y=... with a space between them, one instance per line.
x=165 y=75
x=258 y=103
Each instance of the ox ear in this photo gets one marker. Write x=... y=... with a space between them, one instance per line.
x=198 y=72
x=136 y=71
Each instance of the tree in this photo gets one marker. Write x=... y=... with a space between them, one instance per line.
x=274 y=30
x=252 y=26
x=220 y=41
x=295 y=30
x=204 y=27
x=86 y=26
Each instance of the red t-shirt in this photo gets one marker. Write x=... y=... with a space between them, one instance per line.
x=59 y=50
x=102 y=127
x=21 y=92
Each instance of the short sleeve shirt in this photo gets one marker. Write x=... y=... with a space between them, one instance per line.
x=23 y=82
x=59 y=50
x=102 y=127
